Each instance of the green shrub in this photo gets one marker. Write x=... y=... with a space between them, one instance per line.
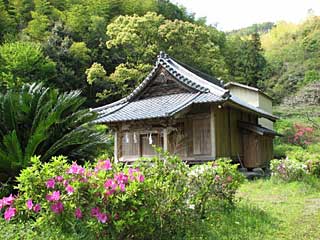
x=213 y=182
x=158 y=198
x=281 y=149
x=35 y=120
x=288 y=169
x=100 y=200
x=309 y=157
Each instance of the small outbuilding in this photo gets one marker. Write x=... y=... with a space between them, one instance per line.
x=253 y=96
x=187 y=113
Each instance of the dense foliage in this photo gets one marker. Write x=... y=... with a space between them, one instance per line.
x=293 y=52
x=105 y=48
x=35 y=120
x=62 y=40
x=156 y=198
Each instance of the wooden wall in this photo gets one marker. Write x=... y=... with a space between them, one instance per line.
x=229 y=142
x=204 y=133
x=164 y=84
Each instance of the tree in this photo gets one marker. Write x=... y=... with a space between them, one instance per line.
x=21 y=11
x=96 y=75
x=140 y=38
x=37 y=28
x=24 y=62
x=196 y=45
x=6 y=22
x=245 y=60
x=35 y=120
x=136 y=37
x=70 y=75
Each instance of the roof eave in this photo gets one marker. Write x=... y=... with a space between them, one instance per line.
x=271 y=117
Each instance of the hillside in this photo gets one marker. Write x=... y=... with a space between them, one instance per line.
x=106 y=47
x=292 y=52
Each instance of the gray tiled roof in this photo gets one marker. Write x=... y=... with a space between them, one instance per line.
x=128 y=108
x=156 y=107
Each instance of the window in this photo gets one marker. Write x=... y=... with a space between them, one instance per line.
x=147 y=148
x=136 y=145
x=201 y=136
x=130 y=147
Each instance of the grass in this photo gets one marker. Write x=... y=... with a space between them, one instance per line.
x=270 y=210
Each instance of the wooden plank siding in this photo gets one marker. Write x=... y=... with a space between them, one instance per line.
x=222 y=131
x=201 y=136
x=229 y=142
x=204 y=133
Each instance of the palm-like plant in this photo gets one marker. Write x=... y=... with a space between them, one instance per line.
x=40 y=121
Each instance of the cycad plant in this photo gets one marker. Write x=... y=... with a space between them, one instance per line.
x=41 y=121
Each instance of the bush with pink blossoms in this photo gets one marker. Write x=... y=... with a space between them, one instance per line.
x=212 y=183
x=158 y=198
x=98 y=198
x=288 y=169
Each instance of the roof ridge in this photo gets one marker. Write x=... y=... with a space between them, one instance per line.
x=180 y=73
x=196 y=82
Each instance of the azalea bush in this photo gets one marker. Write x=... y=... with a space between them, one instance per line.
x=298 y=163
x=98 y=198
x=179 y=196
x=288 y=169
x=158 y=198
x=310 y=157
x=213 y=182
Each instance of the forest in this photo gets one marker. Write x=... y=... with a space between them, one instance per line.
x=58 y=179
x=105 y=48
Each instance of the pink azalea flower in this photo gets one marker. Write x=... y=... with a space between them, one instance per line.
x=65 y=183
x=59 y=178
x=29 y=204
x=57 y=207
x=95 y=211
x=78 y=213
x=9 y=213
x=141 y=178
x=76 y=169
x=132 y=177
x=121 y=178
x=69 y=189
x=110 y=192
x=103 y=165
x=1 y=204
x=131 y=171
x=102 y=217
x=55 y=196
x=110 y=184
x=122 y=187
x=7 y=201
x=50 y=183
x=37 y=208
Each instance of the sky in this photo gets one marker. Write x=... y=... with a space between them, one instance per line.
x=235 y=14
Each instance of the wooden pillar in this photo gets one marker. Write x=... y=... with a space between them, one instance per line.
x=213 y=132
x=165 y=139
x=115 y=146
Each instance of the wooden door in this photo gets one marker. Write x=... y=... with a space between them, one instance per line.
x=250 y=150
